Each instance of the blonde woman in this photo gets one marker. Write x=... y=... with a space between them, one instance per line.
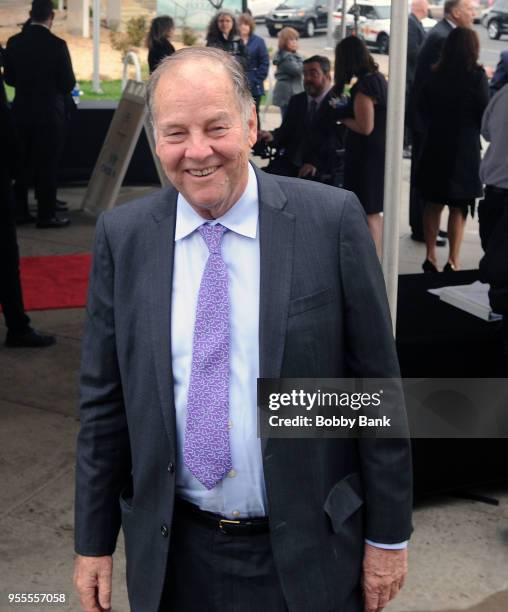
x=289 y=73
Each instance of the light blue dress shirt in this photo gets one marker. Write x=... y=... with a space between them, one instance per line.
x=242 y=493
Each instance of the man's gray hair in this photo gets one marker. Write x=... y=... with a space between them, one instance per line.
x=233 y=68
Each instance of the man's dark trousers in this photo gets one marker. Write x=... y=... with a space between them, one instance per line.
x=416 y=200
x=11 y=296
x=212 y=571
x=40 y=149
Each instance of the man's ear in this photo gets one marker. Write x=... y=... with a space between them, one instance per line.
x=253 y=126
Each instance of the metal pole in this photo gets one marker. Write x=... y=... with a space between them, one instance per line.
x=343 y=23
x=330 y=28
x=394 y=144
x=96 y=82
x=86 y=19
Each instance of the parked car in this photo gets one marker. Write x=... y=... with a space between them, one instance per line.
x=305 y=16
x=350 y=17
x=260 y=8
x=374 y=23
x=337 y=13
x=436 y=9
x=495 y=19
x=375 y=28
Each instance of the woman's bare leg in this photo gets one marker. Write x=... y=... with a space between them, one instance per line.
x=456 y=227
x=431 y=220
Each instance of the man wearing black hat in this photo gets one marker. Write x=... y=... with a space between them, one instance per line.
x=38 y=65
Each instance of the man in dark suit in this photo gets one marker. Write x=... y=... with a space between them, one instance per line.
x=38 y=65
x=304 y=150
x=415 y=36
x=19 y=331
x=456 y=13
x=196 y=291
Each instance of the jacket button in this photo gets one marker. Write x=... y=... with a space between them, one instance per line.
x=164 y=531
x=171 y=468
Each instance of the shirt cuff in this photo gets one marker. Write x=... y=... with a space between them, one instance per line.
x=398 y=546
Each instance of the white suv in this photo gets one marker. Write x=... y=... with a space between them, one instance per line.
x=374 y=24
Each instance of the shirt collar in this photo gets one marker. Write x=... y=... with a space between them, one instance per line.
x=320 y=98
x=42 y=25
x=452 y=23
x=241 y=218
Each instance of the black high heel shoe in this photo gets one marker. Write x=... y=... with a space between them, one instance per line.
x=449 y=267
x=429 y=267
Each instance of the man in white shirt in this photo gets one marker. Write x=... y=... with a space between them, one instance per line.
x=196 y=292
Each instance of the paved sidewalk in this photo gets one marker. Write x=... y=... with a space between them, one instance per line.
x=459 y=551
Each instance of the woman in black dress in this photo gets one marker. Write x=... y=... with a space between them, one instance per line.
x=452 y=104
x=364 y=160
x=157 y=40
x=223 y=33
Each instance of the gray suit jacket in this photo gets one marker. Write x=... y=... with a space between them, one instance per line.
x=323 y=313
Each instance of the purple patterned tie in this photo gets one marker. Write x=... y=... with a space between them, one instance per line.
x=206 y=448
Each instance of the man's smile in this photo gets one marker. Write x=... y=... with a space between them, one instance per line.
x=203 y=171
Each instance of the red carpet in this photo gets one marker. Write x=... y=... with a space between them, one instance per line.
x=56 y=281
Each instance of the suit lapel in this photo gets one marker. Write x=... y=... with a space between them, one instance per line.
x=162 y=241
x=276 y=236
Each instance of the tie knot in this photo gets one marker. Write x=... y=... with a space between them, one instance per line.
x=212 y=235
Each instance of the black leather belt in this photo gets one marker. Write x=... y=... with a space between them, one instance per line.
x=248 y=526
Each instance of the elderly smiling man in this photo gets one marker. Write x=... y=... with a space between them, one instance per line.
x=196 y=291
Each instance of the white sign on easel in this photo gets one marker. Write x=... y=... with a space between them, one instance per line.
x=116 y=153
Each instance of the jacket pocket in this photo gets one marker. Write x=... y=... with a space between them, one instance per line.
x=309 y=302
x=343 y=500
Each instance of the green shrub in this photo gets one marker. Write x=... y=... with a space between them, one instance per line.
x=132 y=38
x=136 y=30
x=120 y=42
